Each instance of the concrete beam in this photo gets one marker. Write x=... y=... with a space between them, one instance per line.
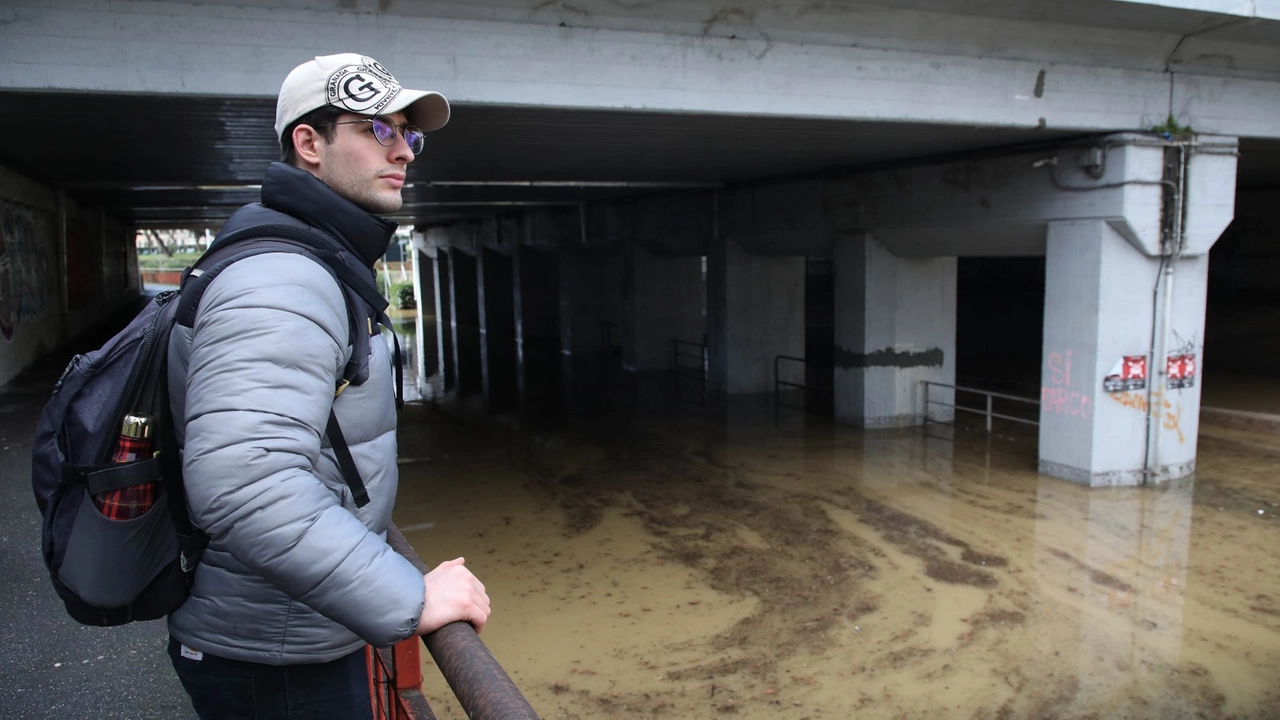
x=1002 y=205
x=778 y=219
x=672 y=225
x=878 y=64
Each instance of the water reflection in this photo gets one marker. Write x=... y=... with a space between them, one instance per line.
x=405 y=328
x=662 y=559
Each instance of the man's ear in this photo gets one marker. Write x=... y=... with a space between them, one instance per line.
x=306 y=143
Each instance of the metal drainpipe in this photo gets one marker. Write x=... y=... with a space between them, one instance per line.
x=1173 y=244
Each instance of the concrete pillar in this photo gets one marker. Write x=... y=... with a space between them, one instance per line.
x=537 y=302
x=756 y=313
x=663 y=301
x=426 y=354
x=464 y=288
x=895 y=327
x=497 y=330
x=590 y=302
x=1100 y=395
x=447 y=377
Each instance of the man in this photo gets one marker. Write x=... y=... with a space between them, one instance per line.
x=296 y=579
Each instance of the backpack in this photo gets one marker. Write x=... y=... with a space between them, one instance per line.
x=111 y=572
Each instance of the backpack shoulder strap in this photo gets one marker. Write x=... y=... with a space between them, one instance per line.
x=262 y=239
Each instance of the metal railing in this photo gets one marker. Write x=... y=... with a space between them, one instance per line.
x=988 y=412
x=689 y=362
x=483 y=688
x=811 y=392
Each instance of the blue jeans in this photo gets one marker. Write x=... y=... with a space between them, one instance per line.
x=223 y=689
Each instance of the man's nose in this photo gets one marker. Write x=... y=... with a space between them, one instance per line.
x=400 y=150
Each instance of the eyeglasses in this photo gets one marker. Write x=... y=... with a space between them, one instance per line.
x=385 y=132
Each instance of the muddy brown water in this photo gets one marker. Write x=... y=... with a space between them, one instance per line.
x=693 y=564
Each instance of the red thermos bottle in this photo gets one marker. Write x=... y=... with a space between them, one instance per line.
x=134 y=444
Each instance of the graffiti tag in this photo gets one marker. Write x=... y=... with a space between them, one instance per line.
x=1057 y=396
x=1172 y=411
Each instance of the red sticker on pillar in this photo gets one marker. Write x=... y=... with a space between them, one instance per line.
x=1181 y=371
x=1129 y=373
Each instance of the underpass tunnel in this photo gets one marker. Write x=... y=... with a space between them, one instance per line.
x=765 y=271
x=846 y=263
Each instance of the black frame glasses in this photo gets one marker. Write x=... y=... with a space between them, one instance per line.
x=384 y=131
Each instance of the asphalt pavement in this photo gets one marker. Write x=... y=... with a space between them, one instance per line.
x=51 y=666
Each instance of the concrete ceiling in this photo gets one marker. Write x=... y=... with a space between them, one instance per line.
x=190 y=161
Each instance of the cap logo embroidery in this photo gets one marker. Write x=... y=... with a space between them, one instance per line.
x=364 y=88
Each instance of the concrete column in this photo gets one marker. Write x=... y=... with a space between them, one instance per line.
x=497 y=330
x=895 y=327
x=589 y=300
x=466 y=322
x=1101 y=392
x=537 y=316
x=447 y=378
x=756 y=313
x=663 y=301
x=426 y=354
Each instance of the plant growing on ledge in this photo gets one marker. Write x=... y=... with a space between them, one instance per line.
x=1171 y=130
x=402 y=296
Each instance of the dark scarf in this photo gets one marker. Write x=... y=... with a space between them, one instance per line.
x=296 y=192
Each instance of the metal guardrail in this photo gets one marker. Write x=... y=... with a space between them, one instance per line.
x=988 y=412
x=809 y=392
x=483 y=688
x=689 y=360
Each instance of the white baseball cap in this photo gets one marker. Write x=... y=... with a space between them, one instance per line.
x=357 y=83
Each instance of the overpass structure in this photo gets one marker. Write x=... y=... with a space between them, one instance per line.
x=673 y=168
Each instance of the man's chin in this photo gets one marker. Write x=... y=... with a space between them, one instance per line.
x=382 y=204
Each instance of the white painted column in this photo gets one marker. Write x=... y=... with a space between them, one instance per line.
x=895 y=327
x=1095 y=405
x=765 y=304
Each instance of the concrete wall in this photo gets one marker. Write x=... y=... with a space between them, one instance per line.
x=663 y=299
x=1244 y=300
x=31 y=281
x=47 y=294
x=764 y=317
x=1246 y=260
x=589 y=297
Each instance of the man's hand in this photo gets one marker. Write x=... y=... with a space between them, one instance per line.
x=452 y=593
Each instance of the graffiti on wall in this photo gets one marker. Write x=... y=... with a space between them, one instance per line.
x=26 y=261
x=1170 y=410
x=1057 y=396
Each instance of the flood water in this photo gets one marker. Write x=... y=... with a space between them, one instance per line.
x=672 y=561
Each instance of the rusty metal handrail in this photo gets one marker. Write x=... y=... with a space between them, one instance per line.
x=680 y=351
x=988 y=413
x=483 y=688
x=810 y=391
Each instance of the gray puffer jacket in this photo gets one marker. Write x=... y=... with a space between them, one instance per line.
x=294 y=572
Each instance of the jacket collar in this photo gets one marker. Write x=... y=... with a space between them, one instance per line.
x=296 y=192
